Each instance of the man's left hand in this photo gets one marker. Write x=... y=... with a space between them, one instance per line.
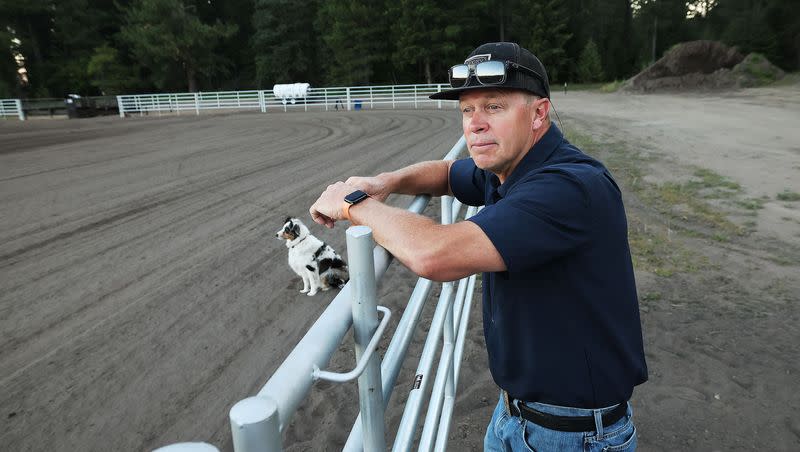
x=328 y=207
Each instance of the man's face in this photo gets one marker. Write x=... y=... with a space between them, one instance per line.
x=498 y=126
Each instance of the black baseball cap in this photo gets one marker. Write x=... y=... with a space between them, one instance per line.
x=515 y=79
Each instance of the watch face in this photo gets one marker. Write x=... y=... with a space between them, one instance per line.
x=355 y=197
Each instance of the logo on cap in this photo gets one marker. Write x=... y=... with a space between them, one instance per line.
x=475 y=59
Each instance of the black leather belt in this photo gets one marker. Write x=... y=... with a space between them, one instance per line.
x=564 y=423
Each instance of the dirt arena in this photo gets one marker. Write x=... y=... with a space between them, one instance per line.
x=142 y=291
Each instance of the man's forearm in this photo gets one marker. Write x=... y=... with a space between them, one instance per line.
x=407 y=236
x=425 y=177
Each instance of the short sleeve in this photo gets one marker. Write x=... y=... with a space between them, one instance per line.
x=467 y=182
x=542 y=218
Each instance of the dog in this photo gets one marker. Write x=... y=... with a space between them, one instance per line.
x=313 y=260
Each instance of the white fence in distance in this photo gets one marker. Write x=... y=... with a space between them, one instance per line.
x=336 y=98
x=11 y=107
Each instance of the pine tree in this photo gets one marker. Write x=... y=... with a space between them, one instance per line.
x=166 y=35
x=108 y=73
x=590 y=68
x=355 y=40
x=284 y=49
x=541 y=26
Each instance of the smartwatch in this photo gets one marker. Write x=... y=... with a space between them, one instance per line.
x=351 y=200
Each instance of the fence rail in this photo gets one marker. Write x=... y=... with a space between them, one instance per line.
x=11 y=107
x=347 y=98
x=257 y=422
x=329 y=98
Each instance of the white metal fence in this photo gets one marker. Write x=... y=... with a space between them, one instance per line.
x=11 y=107
x=257 y=422
x=346 y=98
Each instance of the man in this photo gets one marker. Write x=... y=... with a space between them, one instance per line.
x=560 y=313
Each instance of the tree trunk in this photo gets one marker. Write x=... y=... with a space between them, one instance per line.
x=428 y=77
x=191 y=78
x=655 y=33
x=502 y=23
x=35 y=68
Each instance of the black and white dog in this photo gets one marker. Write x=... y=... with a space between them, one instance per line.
x=315 y=262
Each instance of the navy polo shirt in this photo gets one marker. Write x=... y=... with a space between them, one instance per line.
x=562 y=323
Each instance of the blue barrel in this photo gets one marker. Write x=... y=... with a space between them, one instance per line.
x=357 y=104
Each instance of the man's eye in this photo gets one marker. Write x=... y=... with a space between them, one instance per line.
x=493 y=107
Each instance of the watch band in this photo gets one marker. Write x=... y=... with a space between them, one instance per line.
x=351 y=200
x=346 y=210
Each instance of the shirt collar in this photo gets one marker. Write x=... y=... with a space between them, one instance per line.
x=535 y=158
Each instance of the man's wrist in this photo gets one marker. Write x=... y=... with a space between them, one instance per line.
x=389 y=181
x=349 y=210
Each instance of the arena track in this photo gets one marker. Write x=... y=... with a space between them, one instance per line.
x=142 y=289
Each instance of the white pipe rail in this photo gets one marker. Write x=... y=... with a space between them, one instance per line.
x=365 y=323
x=364 y=359
x=257 y=422
x=352 y=97
x=12 y=107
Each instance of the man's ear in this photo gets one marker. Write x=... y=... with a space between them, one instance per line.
x=543 y=110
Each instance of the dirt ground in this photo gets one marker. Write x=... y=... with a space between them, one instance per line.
x=142 y=292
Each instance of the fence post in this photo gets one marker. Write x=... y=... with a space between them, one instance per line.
x=392 y=97
x=415 y=96
x=365 y=322
x=371 y=99
x=21 y=113
x=255 y=425
x=439 y=88
x=197 y=104
x=348 y=98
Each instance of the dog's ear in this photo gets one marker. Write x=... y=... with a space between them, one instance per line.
x=288 y=219
x=296 y=229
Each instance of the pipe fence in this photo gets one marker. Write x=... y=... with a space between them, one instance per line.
x=11 y=107
x=257 y=422
x=335 y=98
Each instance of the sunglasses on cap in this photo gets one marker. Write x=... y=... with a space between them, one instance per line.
x=491 y=72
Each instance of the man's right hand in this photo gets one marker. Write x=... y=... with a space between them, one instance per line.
x=375 y=186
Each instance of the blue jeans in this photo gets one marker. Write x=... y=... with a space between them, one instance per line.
x=510 y=433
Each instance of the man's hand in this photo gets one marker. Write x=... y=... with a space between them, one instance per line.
x=327 y=209
x=375 y=186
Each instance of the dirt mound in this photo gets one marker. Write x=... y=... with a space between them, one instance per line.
x=703 y=65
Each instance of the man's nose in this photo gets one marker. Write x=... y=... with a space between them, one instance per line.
x=477 y=123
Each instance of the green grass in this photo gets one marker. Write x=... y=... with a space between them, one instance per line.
x=651 y=296
x=750 y=203
x=653 y=248
x=756 y=68
x=791 y=78
x=788 y=195
x=611 y=87
x=689 y=208
x=577 y=87
x=705 y=178
x=687 y=201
